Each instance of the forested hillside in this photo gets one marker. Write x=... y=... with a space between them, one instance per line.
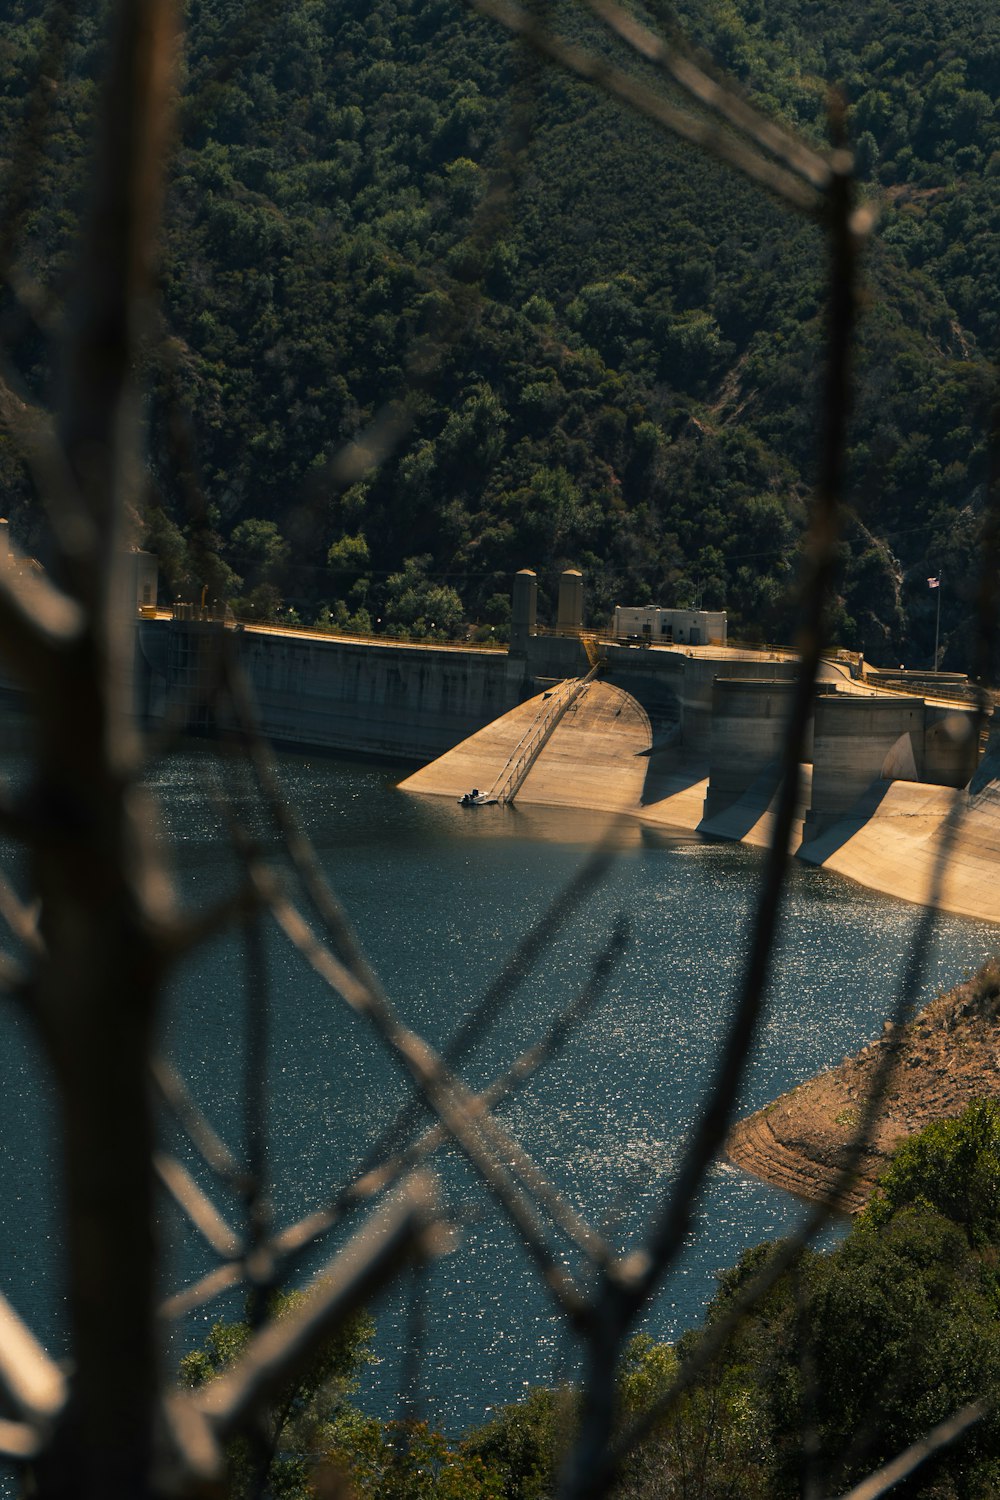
x=587 y=344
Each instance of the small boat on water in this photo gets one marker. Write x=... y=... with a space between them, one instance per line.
x=475 y=798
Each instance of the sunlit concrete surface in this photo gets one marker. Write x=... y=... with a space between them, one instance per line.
x=751 y=818
x=928 y=844
x=922 y=843
x=596 y=757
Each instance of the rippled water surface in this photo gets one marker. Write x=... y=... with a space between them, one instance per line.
x=440 y=895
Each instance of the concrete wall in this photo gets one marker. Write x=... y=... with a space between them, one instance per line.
x=853 y=740
x=654 y=678
x=415 y=702
x=403 y=702
x=951 y=745
x=862 y=740
x=749 y=723
x=700 y=673
x=554 y=656
x=387 y=700
x=675 y=688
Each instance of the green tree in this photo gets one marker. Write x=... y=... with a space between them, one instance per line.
x=263 y=554
x=408 y=1462
x=525 y=1442
x=303 y=1421
x=415 y=605
x=867 y=1346
x=348 y=560
x=953 y=1167
x=260 y=548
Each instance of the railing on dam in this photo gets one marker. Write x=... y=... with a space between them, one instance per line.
x=535 y=737
x=969 y=696
x=594 y=642
x=213 y=614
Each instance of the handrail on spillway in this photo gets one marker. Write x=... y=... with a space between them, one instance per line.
x=535 y=737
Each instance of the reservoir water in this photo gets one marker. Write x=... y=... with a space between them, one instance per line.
x=440 y=895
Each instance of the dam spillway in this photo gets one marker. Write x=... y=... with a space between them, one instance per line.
x=596 y=756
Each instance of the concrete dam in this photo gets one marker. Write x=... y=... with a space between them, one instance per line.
x=684 y=738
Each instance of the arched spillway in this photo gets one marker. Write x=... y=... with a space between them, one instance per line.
x=596 y=755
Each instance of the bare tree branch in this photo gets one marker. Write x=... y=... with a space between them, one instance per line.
x=36 y=620
x=178 y=1100
x=189 y=929
x=19 y=1440
x=907 y=1462
x=647 y=102
x=21 y=918
x=196 y=1205
x=720 y=99
x=667 y=1236
x=449 y=1099
x=190 y=1456
x=380 y=1177
x=785 y=1256
x=406 y=1227
x=31 y=1380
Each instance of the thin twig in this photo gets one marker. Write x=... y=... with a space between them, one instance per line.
x=256 y=1203
x=190 y=929
x=364 y=994
x=645 y=101
x=305 y=862
x=381 y=1176
x=197 y=1207
x=668 y=1234
x=209 y=1143
x=785 y=1256
x=31 y=1380
x=36 y=620
x=720 y=99
x=19 y=1440
x=405 y=1228
x=449 y=1099
x=907 y=1462
x=21 y=917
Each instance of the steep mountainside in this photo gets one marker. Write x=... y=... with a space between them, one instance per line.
x=586 y=344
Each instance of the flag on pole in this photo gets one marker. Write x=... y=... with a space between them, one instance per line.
x=933 y=583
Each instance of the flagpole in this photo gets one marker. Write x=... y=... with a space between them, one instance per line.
x=937 y=622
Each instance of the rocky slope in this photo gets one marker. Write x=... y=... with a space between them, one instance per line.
x=946 y=1056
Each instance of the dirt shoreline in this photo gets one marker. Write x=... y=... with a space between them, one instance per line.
x=944 y=1058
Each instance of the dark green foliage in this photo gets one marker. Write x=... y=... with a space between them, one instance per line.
x=404 y=1462
x=605 y=350
x=858 y=1353
x=523 y=1444
x=903 y=1333
x=953 y=1167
